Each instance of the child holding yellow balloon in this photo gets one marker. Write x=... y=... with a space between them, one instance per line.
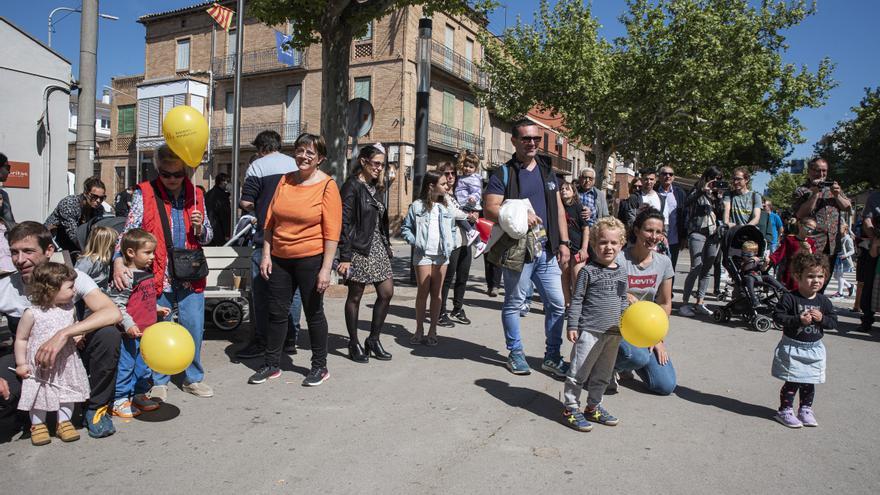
x=137 y=303
x=594 y=326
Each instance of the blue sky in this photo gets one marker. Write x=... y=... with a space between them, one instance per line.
x=844 y=30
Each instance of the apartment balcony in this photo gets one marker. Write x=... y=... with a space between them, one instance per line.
x=255 y=62
x=221 y=137
x=455 y=64
x=454 y=140
x=562 y=166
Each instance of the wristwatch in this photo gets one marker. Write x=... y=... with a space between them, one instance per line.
x=566 y=244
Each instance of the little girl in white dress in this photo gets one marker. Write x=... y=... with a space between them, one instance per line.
x=58 y=387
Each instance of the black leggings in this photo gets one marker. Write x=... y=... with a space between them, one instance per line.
x=384 y=293
x=749 y=281
x=287 y=275
x=459 y=268
x=789 y=389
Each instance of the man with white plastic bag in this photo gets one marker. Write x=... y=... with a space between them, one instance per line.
x=536 y=257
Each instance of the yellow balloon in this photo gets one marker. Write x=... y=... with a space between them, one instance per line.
x=644 y=324
x=186 y=132
x=167 y=348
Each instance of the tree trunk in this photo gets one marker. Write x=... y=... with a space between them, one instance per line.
x=600 y=155
x=336 y=54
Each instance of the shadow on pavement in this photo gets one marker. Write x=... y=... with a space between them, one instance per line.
x=165 y=413
x=537 y=403
x=725 y=403
x=448 y=348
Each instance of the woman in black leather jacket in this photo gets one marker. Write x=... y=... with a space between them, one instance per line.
x=365 y=251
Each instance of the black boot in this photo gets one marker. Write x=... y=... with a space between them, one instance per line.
x=356 y=353
x=375 y=348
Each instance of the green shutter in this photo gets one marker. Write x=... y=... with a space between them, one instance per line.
x=467 y=123
x=126 y=120
x=448 y=109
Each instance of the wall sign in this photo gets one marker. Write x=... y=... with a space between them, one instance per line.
x=19 y=175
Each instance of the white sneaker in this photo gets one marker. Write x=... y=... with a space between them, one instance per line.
x=472 y=236
x=702 y=309
x=686 y=310
x=479 y=249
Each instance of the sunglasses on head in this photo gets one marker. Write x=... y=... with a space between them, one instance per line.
x=172 y=175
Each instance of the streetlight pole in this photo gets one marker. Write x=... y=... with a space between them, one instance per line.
x=423 y=92
x=70 y=9
x=88 y=62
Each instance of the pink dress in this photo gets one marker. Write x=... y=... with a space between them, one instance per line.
x=67 y=381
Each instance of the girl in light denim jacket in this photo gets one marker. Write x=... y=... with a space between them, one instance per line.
x=428 y=228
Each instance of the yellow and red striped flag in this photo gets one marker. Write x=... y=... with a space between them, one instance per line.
x=222 y=15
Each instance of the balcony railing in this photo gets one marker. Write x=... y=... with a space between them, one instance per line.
x=560 y=165
x=221 y=137
x=256 y=61
x=455 y=64
x=454 y=140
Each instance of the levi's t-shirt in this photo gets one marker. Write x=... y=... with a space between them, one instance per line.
x=644 y=282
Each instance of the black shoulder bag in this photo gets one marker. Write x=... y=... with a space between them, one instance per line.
x=188 y=265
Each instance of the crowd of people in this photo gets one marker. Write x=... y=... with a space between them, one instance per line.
x=77 y=330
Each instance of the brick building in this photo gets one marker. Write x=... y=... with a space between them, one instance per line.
x=190 y=60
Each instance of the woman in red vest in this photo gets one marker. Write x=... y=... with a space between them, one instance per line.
x=184 y=207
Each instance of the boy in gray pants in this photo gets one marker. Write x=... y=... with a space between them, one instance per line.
x=594 y=326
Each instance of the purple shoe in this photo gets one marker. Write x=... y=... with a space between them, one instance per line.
x=805 y=414
x=786 y=417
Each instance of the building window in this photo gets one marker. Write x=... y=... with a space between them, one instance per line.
x=231 y=41
x=125 y=123
x=149 y=116
x=197 y=102
x=105 y=123
x=362 y=88
x=467 y=119
x=369 y=34
x=546 y=141
x=448 y=109
x=469 y=50
x=183 y=55
x=169 y=102
x=292 y=117
x=226 y=138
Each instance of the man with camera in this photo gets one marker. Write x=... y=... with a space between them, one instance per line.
x=824 y=200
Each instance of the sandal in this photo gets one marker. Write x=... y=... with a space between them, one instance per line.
x=431 y=341
x=417 y=339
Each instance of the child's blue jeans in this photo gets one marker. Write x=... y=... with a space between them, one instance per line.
x=132 y=374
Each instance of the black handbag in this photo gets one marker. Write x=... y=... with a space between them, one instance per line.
x=188 y=265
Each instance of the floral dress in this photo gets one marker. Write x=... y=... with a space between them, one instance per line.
x=376 y=267
x=67 y=381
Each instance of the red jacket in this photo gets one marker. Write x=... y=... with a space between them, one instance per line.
x=783 y=255
x=153 y=224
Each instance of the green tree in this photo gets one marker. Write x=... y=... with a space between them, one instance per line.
x=335 y=24
x=853 y=147
x=780 y=189
x=692 y=83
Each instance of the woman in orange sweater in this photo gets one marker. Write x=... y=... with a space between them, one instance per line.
x=302 y=229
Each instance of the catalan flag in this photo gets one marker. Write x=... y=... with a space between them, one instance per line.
x=222 y=15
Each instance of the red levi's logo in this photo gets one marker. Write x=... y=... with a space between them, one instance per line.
x=642 y=281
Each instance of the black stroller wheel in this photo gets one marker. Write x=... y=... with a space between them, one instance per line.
x=762 y=323
x=227 y=315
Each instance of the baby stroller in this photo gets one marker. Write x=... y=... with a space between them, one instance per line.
x=740 y=305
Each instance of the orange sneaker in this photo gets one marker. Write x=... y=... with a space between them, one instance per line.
x=124 y=409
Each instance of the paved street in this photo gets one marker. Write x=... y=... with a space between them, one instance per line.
x=451 y=419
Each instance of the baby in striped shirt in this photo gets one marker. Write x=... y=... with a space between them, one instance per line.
x=594 y=326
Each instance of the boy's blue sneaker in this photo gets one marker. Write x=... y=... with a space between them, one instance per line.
x=575 y=420
x=557 y=367
x=517 y=364
x=601 y=416
x=98 y=422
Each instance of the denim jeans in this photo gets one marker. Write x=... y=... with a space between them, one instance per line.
x=259 y=311
x=133 y=375
x=545 y=273
x=190 y=315
x=703 y=252
x=659 y=379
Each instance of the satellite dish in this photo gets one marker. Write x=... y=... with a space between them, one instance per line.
x=360 y=117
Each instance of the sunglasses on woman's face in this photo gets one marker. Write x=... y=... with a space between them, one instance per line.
x=172 y=175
